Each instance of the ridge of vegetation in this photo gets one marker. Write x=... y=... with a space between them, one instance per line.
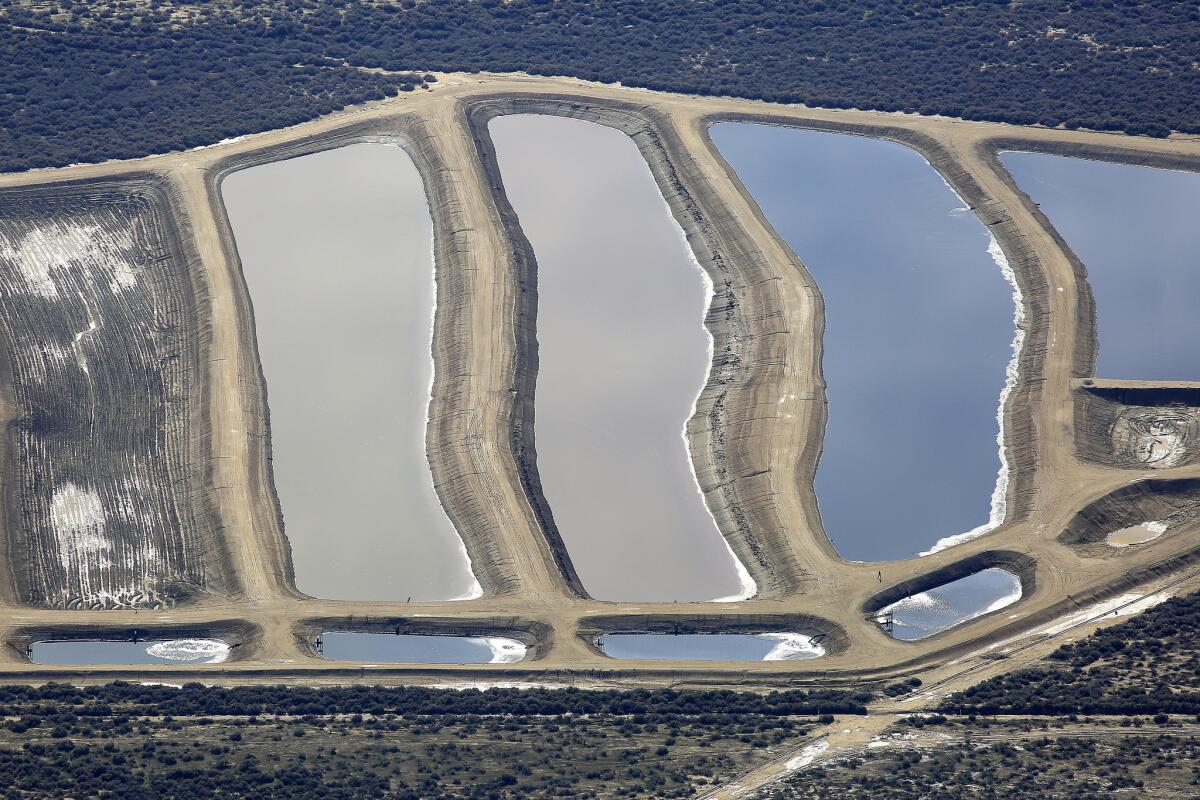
x=1007 y=761
x=136 y=742
x=1148 y=665
x=87 y=81
x=195 y=699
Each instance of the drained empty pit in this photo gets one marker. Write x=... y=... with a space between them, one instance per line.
x=1135 y=514
x=102 y=359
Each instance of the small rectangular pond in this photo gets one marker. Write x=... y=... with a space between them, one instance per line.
x=919 y=348
x=390 y=648
x=950 y=604
x=710 y=646
x=622 y=356
x=1134 y=228
x=336 y=252
x=165 y=651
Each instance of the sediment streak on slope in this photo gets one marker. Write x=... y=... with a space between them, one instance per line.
x=99 y=320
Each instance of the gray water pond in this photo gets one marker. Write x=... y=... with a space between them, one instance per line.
x=166 y=651
x=1134 y=228
x=622 y=355
x=918 y=347
x=336 y=249
x=711 y=646
x=419 y=648
x=950 y=604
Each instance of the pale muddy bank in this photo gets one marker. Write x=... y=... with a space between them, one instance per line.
x=710 y=646
x=1137 y=534
x=105 y=335
x=917 y=385
x=621 y=356
x=1132 y=227
x=1133 y=515
x=349 y=370
x=419 y=648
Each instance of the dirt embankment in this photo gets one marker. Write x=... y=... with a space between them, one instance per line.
x=458 y=452
x=745 y=320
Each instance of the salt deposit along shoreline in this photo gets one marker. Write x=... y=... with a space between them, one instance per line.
x=999 y=504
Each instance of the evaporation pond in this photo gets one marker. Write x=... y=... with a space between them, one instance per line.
x=174 y=651
x=623 y=354
x=918 y=333
x=711 y=646
x=336 y=252
x=950 y=604
x=419 y=648
x=1134 y=228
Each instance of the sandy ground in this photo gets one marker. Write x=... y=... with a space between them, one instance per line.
x=758 y=459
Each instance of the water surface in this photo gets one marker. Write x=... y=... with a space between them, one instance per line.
x=1134 y=228
x=1136 y=534
x=950 y=604
x=172 y=651
x=419 y=648
x=623 y=355
x=711 y=646
x=918 y=334
x=336 y=251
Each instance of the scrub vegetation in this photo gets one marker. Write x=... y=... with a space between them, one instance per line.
x=103 y=333
x=134 y=741
x=1149 y=665
x=85 y=81
x=1107 y=720
x=1004 y=763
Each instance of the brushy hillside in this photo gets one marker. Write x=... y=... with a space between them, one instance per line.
x=1082 y=764
x=1148 y=665
x=84 y=81
x=137 y=742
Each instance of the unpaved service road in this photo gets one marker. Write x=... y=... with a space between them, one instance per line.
x=753 y=453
